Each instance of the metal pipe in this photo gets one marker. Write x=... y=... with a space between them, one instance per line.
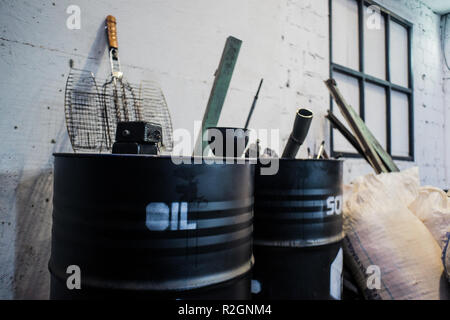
x=302 y=123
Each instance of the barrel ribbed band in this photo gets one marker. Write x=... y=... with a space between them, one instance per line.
x=146 y=285
x=298 y=243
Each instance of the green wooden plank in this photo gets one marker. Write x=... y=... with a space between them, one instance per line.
x=338 y=125
x=382 y=154
x=388 y=163
x=219 y=90
x=358 y=127
x=365 y=133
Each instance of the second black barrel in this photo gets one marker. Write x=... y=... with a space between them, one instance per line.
x=298 y=231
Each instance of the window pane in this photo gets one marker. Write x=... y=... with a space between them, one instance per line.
x=345 y=33
x=399 y=54
x=399 y=124
x=375 y=111
x=349 y=87
x=374 y=43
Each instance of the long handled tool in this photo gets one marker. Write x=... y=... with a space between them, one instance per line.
x=119 y=96
x=253 y=104
x=93 y=113
x=127 y=102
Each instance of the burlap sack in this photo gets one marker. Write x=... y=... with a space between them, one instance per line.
x=382 y=234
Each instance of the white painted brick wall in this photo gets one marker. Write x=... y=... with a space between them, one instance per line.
x=177 y=43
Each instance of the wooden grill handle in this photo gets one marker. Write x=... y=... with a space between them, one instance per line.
x=112 y=32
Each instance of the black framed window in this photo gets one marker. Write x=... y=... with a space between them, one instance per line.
x=370 y=58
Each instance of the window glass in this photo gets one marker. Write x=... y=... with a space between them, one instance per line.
x=375 y=112
x=399 y=54
x=345 y=41
x=383 y=32
x=349 y=87
x=374 y=43
x=399 y=124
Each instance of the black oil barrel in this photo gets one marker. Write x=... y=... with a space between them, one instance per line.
x=298 y=231
x=143 y=227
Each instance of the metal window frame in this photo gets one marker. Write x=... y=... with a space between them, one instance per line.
x=363 y=78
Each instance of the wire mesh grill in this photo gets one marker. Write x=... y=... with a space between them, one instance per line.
x=154 y=109
x=92 y=113
x=120 y=104
x=85 y=116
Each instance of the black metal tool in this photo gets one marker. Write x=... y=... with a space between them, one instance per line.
x=253 y=105
x=137 y=137
x=302 y=123
x=239 y=136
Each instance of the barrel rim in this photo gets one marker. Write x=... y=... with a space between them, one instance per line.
x=304 y=160
x=192 y=159
x=167 y=157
